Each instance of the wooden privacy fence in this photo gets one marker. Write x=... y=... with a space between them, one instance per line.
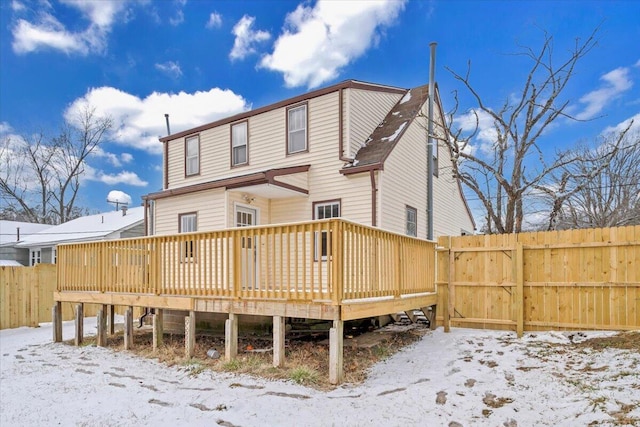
x=26 y=296
x=574 y=279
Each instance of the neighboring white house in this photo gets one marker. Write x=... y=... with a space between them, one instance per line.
x=11 y=234
x=104 y=226
x=355 y=150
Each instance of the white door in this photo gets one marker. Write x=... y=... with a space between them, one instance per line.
x=246 y=217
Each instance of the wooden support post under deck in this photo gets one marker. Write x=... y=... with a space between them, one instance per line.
x=278 y=341
x=111 y=329
x=411 y=315
x=79 y=323
x=56 y=313
x=336 y=348
x=231 y=337
x=158 y=329
x=430 y=313
x=128 y=329
x=190 y=334
x=101 y=338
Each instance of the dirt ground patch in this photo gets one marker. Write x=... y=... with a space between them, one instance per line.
x=306 y=360
x=623 y=341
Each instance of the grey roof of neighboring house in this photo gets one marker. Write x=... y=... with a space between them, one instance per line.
x=9 y=231
x=86 y=228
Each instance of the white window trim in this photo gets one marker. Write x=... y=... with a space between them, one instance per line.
x=32 y=251
x=289 y=131
x=196 y=156
x=245 y=145
x=317 y=254
x=408 y=209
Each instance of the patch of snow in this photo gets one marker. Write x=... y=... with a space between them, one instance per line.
x=406 y=98
x=486 y=378
x=395 y=134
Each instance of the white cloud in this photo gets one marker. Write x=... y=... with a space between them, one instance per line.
x=112 y=158
x=16 y=6
x=48 y=32
x=616 y=82
x=246 y=38
x=170 y=68
x=139 y=121
x=123 y=177
x=126 y=157
x=486 y=135
x=215 y=20
x=119 y=197
x=623 y=125
x=178 y=19
x=317 y=42
x=5 y=127
x=637 y=64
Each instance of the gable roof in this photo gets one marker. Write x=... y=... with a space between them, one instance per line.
x=9 y=231
x=86 y=228
x=385 y=137
x=353 y=84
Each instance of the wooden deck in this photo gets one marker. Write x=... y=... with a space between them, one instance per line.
x=331 y=269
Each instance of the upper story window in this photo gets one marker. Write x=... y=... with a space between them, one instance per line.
x=239 y=144
x=192 y=155
x=297 y=129
x=412 y=221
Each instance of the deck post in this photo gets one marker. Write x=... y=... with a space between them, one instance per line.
x=278 y=341
x=231 y=337
x=336 y=347
x=56 y=313
x=79 y=323
x=430 y=314
x=128 y=329
x=158 y=329
x=101 y=338
x=111 y=329
x=190 y=334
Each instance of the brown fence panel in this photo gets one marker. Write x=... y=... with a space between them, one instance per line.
x=574 y=279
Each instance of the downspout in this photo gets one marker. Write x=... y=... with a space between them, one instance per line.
x=432 y=71
x=146 y=217
x=165 y=159
x=374 y=198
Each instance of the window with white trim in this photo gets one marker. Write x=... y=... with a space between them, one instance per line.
x=239 y=144
x=411 y=221
x=36 y=256
x=297 y=132
x=192 y=155
x=188 y=224
x=324 y=210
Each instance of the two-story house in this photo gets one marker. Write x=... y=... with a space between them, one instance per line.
x=355 y=150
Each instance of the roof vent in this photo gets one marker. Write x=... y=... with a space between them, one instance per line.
x=124 y=210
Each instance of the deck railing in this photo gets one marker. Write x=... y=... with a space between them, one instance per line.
x=321 y=261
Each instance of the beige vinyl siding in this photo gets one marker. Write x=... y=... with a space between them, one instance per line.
x=209 y=205
x=363 y=111
x=450 y=215
x=403 y=182
x=260 y=204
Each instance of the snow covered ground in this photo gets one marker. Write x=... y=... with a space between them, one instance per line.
x=467 y=377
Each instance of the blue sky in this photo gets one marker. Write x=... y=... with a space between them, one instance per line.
x=202 y=60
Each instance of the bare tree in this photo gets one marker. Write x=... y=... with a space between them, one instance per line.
x=42 y=176
x=601 y=188
x=505 y=173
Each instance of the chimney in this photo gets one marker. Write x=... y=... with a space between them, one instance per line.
x=124 y=210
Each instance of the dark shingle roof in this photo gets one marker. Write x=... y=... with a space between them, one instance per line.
x=385 y=137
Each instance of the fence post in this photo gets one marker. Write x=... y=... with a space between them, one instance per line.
x=451 y=289
x=518 y=264
x=56 y=313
